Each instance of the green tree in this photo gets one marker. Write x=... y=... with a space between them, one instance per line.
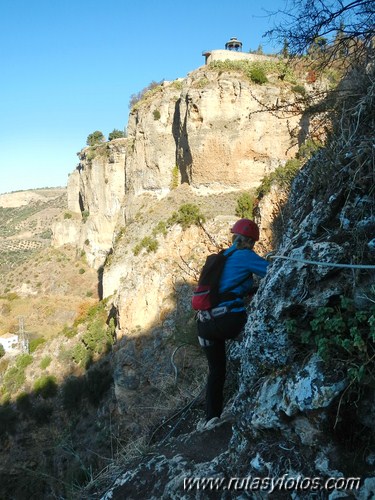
x=96 y=137
x=2 y=350
x=187 y=215
x=97 y=338
x=116 y=134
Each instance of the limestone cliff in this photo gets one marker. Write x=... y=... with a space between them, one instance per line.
x=203 y=140
x=304 y=407
x=95 y=196
x=210 y=130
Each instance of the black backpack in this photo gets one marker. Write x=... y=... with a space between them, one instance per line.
x=206 y=295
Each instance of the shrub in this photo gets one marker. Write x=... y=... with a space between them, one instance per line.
x=23 y=360
x=144 y=93
x=46 y=386
x=161 y=228
x=41 y=413
x=46 y=361
x=156 y=114
x=69 y=331
x=116 y=134
x=80 y=355
x=147 y=243
x=85 y=215
x=308 y=149
x=201 y=83
x=35 y=343
x=175 y=177
x=5 y=398
x=67 y=215
x=299 y=89
x=187 y=215
x=177 y=84
x=23 y=402
x=96 y=137
x=72 y=392
x=88 y=312
x=258 y=75
x=97 y=339
x=4 y=363
x=341 y=333
x=14 y=378
x=254 y=71
x=283 y=176
x=244 y=206
x=2 y=350
x=46 y=235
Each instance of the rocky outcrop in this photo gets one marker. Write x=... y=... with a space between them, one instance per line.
x=145 y=285
x=209 y=133
x=214 y=128
x=293 y=419
x=95 y=195
x=210 y=130
x=226 y=141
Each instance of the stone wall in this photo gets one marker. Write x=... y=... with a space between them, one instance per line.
x=231 y=55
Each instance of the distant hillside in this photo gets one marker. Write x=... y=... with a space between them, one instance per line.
x=42 y=284
x=25 y=223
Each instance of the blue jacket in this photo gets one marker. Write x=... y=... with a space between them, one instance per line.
x=240 y=263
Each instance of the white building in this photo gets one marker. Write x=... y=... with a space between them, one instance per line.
x=233 y=52
x=9 y=341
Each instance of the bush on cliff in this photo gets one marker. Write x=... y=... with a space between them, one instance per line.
x=116 y=134
x=96 y=137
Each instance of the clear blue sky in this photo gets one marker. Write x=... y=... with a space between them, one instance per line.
x=69 y=68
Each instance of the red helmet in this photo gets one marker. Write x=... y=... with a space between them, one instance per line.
x=247 y=228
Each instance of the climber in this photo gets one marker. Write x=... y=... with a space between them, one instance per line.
x=227 y=320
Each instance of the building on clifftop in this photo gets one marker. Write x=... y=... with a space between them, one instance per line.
x=232 y=52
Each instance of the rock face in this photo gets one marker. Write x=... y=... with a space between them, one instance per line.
x=292 y=417
x=209 y=130
x=95 y=195
x=226 y=140
x=214 y=129
x=206 y=135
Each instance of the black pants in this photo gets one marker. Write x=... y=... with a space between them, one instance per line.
x=216 y=331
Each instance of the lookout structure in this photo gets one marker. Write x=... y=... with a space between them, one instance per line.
x=234 y=44
x=233 y=52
